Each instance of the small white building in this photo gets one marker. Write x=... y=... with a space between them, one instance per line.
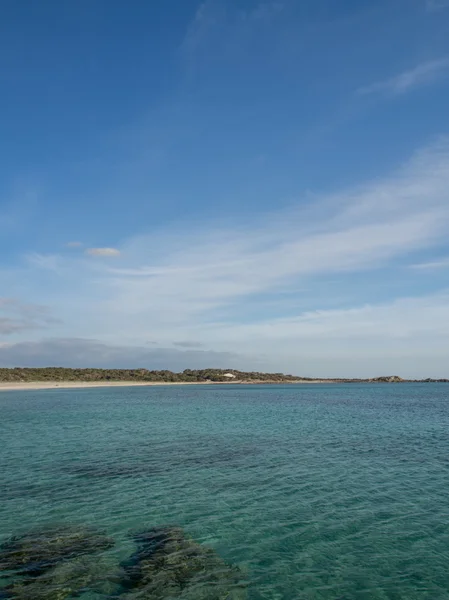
x=229 y=375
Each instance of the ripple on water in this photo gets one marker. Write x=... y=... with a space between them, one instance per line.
x=315 y=492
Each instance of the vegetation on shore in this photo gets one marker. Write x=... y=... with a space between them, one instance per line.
x=20 y=374
x=55 y=374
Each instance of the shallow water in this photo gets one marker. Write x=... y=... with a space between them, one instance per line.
x=317 y=492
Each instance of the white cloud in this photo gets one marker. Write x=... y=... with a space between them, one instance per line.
x=205 y=282
x=171 y=279
x=401 y=319
x=423 y=74
x=109 y=252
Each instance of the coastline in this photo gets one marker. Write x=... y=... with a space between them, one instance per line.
x=8 y=386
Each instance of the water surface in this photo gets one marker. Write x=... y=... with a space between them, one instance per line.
x=317 y=492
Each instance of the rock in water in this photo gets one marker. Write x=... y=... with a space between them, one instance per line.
x=167 y=564
x=67 y=580
x=38 y=551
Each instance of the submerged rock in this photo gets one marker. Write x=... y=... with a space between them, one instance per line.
x=113 y=470
x=68 y=580
x=169 y=565
x=38 y=551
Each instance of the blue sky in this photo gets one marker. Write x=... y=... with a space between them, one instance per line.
x=251 y=184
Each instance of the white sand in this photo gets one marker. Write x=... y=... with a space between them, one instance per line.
x=50 y=385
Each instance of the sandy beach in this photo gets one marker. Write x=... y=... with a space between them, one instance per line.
x=49 y=385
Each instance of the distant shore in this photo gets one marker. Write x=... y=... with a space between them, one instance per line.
x=6 y=386
x=48 y=378
x=49 y=385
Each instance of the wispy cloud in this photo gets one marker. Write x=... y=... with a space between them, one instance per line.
x=201 y=282
x=206 y=17
x=191 y=275
x=436 y=264
x=74 y=244
x=49 y=262
x=264 y=11
x=406 y=335
x=216 y=25
x=75 y=352
x=399 y=319
x=435 y=5
x=19 y=205
x=108 y=252
x=17 y=317
x=188 y=344
x=421 y=75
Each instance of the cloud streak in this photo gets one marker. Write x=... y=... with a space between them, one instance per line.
x=75 y=352
x=199 y=273
x=215 y=28
x=17 y=317
x=435 y=5
x=107 y=252
x=224 y=286
x=421 y=75
x=188 y=344
x=436 y=264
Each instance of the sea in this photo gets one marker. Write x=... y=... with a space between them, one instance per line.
x=314 y=492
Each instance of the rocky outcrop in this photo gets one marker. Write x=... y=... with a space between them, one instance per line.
x=387 y=379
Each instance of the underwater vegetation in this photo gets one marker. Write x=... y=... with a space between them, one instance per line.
x=167 y=564
x=68 y=580
x=52 y=563
x=56 y=563
x=35 y=552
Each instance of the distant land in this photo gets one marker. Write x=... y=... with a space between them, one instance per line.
x=58 y=376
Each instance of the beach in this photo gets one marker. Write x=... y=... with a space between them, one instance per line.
x=49 y=385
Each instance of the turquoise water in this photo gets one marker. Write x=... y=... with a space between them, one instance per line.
x=316 y=491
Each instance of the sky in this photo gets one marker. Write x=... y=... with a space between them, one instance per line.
x=250 y=184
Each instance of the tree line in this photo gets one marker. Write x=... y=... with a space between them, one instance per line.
x=19 y=374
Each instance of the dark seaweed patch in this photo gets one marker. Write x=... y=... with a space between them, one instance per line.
x=112 y=471
x=37 y=551
x=167 y=564
x=168 y=460
x=67 y=580
x=56 y=563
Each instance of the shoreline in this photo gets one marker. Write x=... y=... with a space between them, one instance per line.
x=9 y=386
